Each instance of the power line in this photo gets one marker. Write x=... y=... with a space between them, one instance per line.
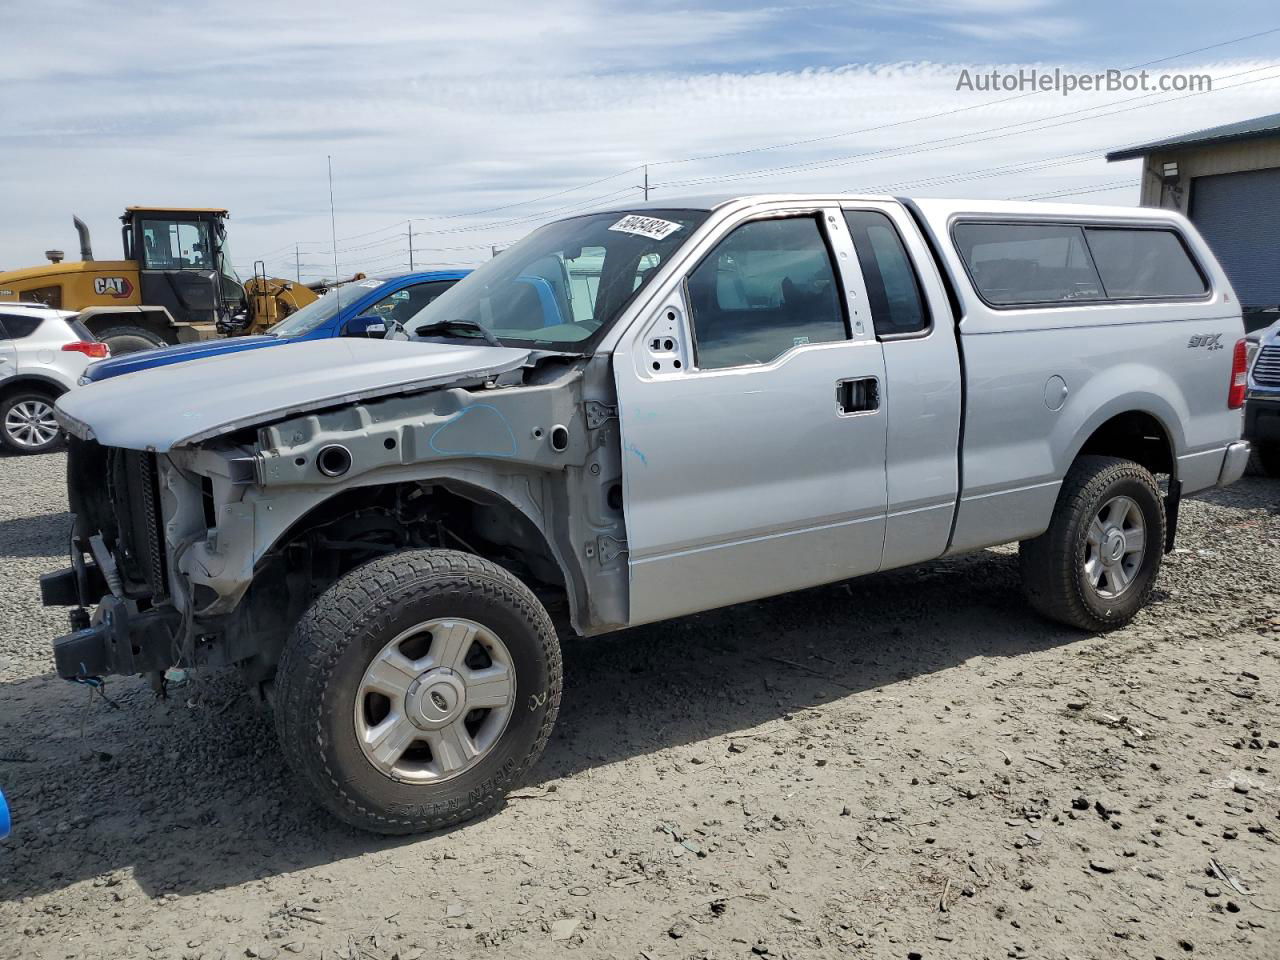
x=549 y=196
x=783 y=145
x=944 y=113
x=1096 y=188
x=542 y=215
x=967 y=139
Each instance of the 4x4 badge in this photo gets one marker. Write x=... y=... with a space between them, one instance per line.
x=1212 y=341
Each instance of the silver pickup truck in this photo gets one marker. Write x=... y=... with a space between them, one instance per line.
x=630 y=416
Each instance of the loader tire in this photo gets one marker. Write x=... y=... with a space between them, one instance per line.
x=130 y=339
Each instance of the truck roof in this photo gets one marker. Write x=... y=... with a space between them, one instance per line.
x=933 y=206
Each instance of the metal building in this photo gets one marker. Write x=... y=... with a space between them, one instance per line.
x=1227 y=180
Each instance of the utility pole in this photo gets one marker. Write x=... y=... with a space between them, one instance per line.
x=646 y=183
x=410 y=222
x=297 y=263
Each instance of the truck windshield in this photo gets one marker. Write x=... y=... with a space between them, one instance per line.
x=565 y=283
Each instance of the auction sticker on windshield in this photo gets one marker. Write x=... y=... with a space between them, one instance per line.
x=650 y=227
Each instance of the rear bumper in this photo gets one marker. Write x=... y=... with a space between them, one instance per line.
x=1233 y=462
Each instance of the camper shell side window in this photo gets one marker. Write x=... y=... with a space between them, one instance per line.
x=1019 y=264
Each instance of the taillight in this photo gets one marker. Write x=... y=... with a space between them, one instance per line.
x=90 y=348
x=1239 y=376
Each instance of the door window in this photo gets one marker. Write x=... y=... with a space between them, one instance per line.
x=176 y=245
x=893 y=292
x=17 y=326
x=403 y=304
x=767 y=287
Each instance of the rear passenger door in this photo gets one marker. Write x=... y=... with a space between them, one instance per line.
x=753 y=425
x=913 y=322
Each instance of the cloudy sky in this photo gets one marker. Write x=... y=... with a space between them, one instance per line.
x=476 y=121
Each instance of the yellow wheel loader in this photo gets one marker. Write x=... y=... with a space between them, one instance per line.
x=174 y=284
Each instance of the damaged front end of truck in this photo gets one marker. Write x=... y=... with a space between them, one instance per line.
x=204 y=529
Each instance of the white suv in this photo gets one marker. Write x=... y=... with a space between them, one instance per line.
x=42 y=354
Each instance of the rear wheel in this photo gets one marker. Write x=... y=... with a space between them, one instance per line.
x=130 y=339
x=27 y=423
x=417 y=690
x=1096 y=564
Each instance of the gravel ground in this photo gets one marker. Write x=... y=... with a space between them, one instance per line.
x=910 y=765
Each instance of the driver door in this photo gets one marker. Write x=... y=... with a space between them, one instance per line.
x=753 y=428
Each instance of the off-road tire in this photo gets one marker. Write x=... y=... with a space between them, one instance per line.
x=329 y=649
x=12 y=400
x=130 y=339
x=1053 y=564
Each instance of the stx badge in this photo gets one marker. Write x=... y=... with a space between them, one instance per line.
x=117 y=287
x=1211 y=341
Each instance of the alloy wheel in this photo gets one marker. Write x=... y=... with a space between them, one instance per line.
x=31 y=423
x=1114 y=546
x=433 y=702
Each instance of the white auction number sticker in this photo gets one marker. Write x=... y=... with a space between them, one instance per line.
x=650 y=227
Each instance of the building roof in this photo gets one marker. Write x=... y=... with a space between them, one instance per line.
x=1255 y=129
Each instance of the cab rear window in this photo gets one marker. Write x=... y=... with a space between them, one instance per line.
x=1043 y=264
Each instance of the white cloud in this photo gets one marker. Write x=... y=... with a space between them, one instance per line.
x=1050 y=30
x=432 y=114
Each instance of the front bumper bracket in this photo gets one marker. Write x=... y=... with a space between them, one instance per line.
x=120 y=641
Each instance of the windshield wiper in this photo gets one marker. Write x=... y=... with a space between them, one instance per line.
x=456 y=326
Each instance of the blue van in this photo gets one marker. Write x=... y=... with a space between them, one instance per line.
x=357 y=309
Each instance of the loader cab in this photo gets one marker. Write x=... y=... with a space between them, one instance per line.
x=183 y=262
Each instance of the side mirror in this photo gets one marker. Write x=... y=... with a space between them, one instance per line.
x=370 y=326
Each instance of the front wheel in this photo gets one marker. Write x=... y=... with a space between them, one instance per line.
x=1096 y=564
x=417 y=690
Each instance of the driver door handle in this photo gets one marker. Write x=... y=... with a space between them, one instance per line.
x=860 y=395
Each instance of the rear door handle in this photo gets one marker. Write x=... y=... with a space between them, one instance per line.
x=861 y=395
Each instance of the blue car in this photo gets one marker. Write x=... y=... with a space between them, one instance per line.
x=358 y=309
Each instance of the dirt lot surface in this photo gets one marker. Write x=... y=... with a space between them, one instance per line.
x=911 y=765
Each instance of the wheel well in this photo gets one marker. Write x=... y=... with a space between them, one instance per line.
x=153 y=321
x=363 y=523
x=1134 y=435
x=36 y=384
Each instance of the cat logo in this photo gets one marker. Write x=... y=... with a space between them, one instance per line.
x=116 y=287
